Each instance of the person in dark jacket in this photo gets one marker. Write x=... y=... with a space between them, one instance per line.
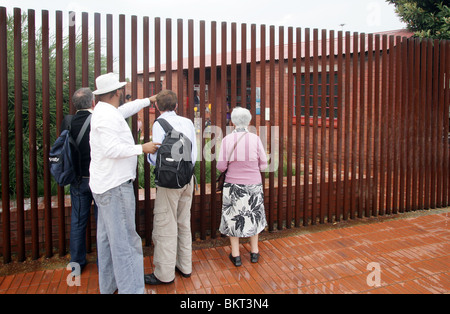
x=80 y=192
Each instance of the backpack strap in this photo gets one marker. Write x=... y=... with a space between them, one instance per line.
x=78 y=141
x=83 y=129
x=165 y=125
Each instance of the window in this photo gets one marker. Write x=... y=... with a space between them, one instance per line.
x=239 y=94
x=325 y=89
x=153 y=88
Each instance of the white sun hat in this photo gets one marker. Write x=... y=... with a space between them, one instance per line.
x=107 y=83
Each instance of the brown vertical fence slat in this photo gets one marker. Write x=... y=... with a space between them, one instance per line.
x=427 y=125
x=84 y=49
x=109 y=44
x=431 y=101
x=18 y=134
x=233 y=81
x=72 y=59
x=346 y=108
x=190 y=93
x=146 y=122
x=412 y=181
x=281 y=124
x=376 y=141
x=180 y=93
x=190 y=83
x=354 y=129
x=298 y=144
x=388 y=131
x=409 y=122
x=397 y=127
x=243 y=66
x=363 y=119
x=315 y=130
x=262 y=84
x=134 y=119
x=157 y=89
x=323 y=128
x=201 y=110
x=306 y=133
x=271 y=122
x=214 y=209
x=436 y=187
x=46 y=134
x=157 y=51
x=444 y=68
x=433 y=106
x=437 y=127
x=6 y=217
x=390 y=105
x=59 y=117
x=405 y=122
x=442 y=136
x=339 y=133
x=223 y=76
x=416 y=132
x=370 y=127
x=97 y=45
x=97 y=72
x=331 y=131
x=122 y=50
x=290 y=141
x=168 y=77
x=32 y=135
x=420 y=118
x=384 y=117
x=223 y=87
x=422 y=122
x=253 y=85
x=362 y=124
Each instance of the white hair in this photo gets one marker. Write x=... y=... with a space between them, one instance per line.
x=241 y=117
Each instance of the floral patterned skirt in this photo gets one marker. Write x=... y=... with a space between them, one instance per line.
x=243 y=213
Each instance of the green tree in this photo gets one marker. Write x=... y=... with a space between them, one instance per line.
x=38 y=104
x=426 y=18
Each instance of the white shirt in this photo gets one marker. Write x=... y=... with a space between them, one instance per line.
x=113 y=151
x=181 y=124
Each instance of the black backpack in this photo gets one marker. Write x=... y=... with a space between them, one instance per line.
x=174 y=168
x=62 y=166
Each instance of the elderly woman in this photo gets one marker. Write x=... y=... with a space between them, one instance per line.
x=243 y=156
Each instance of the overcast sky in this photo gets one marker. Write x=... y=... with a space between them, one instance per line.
x=358 y=15
x=363 y=16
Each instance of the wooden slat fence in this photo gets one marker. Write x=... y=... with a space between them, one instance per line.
x=359 y=122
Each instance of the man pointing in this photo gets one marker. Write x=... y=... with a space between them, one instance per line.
x=112 y=172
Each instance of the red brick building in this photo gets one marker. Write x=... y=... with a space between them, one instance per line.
x=327 y=83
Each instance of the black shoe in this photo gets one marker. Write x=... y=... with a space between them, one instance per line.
x=181 y=273
x=236 y=260
x=152 y=280
x=254 y=257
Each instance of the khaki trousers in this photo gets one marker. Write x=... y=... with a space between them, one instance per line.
x=172 y=238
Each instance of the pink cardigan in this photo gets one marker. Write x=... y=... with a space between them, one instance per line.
x=247 y=161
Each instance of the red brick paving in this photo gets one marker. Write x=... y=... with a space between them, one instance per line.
x=413 y=255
